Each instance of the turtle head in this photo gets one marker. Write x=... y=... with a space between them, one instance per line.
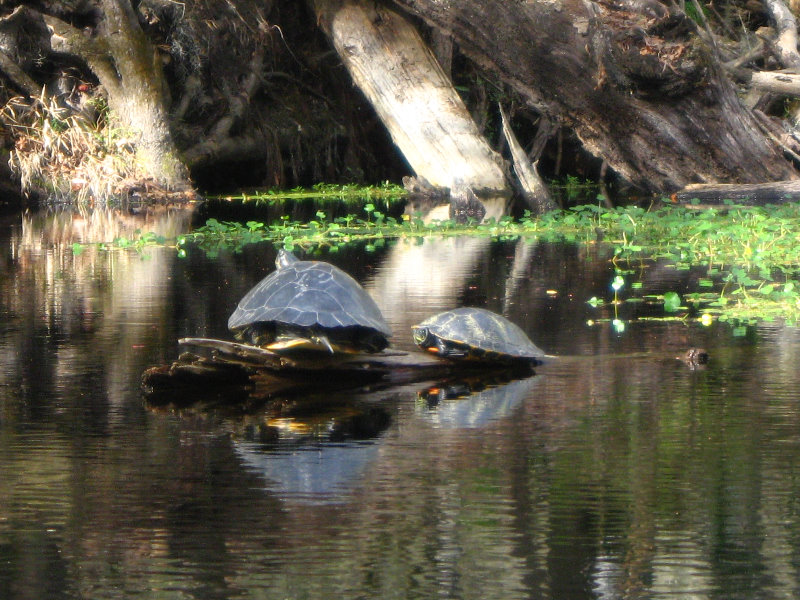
x=427 y=340
x=422 y=336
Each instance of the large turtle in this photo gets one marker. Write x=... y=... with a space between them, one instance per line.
x=309 y=305
x=476 y=334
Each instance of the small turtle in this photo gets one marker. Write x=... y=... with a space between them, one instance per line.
x=476 y=334
x=309 y=305
x=694 y=358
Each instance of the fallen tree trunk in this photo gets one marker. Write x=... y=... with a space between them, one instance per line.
x=778 y=192
x=415 y=99
x=774 y=81
x=632 y=79
x=786 y=29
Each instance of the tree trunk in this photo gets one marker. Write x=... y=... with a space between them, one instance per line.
x=632 y=79
x=390 y=63
x=127 y=66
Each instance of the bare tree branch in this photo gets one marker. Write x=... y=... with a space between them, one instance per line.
x=532 y=185
x=219 y=142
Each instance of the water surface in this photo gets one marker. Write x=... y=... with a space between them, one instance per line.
x=615 y=472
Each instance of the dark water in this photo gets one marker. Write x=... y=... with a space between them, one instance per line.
x=615 y=472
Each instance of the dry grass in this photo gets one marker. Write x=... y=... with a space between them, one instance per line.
x=69 y=154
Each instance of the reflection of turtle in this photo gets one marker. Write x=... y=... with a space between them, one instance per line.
x=314 y=458
x=309 y=305
x=474 y=402
x=476 y=334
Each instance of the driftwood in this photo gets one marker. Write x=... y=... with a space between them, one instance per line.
x=413 y=96
x=786 y=30
x=779 y=192
x=237 y=372
x=777 y=82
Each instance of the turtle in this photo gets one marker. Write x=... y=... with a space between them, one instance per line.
x=476 y=334
x=309 y=305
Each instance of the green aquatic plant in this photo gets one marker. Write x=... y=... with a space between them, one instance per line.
x=672 y=302
x=138 y=241
x=749 y=254
x=617 y=284
x=749 y=257
x=321 y=192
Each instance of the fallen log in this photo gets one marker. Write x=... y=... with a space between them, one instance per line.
x=413 y=96
x=786 y=30
x=778 y=192
x=236 y=372
x=777 y=82
x=631 y=79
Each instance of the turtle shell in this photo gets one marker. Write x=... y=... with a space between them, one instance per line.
x=309 y=298
x=475 y=333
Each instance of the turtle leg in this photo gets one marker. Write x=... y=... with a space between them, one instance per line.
x=441 y=347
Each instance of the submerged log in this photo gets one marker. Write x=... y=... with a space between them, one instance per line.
x=236 y=372
x=389 y=61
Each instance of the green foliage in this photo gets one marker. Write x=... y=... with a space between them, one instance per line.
x=696 y=12
x=672 y=302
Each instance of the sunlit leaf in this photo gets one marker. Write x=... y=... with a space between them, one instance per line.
x=672 y=301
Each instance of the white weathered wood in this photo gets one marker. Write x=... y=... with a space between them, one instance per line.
x=397 y=72
x=775 y=192
x=534 y=188
x=787 y=84
x=786 y=29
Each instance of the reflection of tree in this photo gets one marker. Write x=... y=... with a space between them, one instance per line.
x=417 y=275
x=421 y=278
x=76 y=325
x=85 y=226
x=634 y=474
x=88 y=311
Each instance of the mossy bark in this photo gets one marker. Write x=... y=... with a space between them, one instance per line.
x=127 y=66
